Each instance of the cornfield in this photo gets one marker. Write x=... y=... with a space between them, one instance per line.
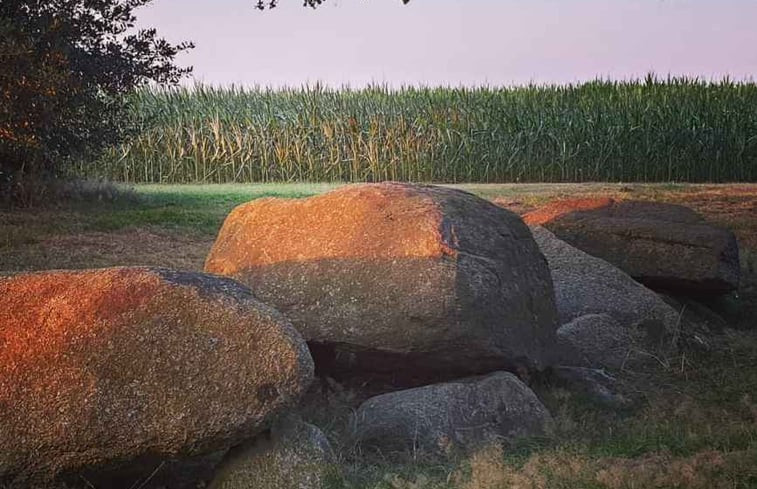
x=637 y=131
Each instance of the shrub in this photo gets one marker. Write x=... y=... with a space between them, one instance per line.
x=65 y=66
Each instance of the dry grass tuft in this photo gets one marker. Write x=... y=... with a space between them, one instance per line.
x=707 y=469
x=704 y=470
x=488 y=470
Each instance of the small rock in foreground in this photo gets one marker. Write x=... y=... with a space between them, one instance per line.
x=295 y=455
x=456 y=416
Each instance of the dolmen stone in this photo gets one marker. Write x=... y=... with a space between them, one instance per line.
x=664 y=246
x=294 y=455
x=607 y=318
x=391 y=277
x=99 y=368
x=448 y=418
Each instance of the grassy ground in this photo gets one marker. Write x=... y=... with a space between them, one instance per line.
x=175 y=225
x=695 y=421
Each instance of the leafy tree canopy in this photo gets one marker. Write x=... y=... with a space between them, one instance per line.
x=65 y=64
x=268 y=4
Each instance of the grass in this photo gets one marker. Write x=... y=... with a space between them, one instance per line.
x=692 y=427
x=694 y=424
x=175 y=225
x=199 y=207
x=638 y=131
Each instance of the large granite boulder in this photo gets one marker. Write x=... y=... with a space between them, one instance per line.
x=586 y=285
x=294 y=455
x=102 y=369
x=459 y=416
x=608 y=319
x=664 y=246
x=397 y=277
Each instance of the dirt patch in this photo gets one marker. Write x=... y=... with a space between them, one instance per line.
x=731 y=207
x=127 y=247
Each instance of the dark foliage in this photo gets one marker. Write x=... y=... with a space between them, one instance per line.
x=264 y=4
x=65 y=65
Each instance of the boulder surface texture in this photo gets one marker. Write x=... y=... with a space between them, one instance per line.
x=295 y=455
x=397 y=277
x=463 y=415
x=102 y=367
x=598 y=341
x=664 y=246
x=585 y=284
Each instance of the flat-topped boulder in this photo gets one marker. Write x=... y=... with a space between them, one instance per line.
x=664 y=246
x=100 y=368
x=397 y=278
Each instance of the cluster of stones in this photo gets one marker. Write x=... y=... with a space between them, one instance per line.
x=170 y=378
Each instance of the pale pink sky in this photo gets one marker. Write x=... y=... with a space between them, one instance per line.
x=453 y=42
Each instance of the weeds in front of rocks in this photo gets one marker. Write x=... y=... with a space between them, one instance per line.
x=694 y=424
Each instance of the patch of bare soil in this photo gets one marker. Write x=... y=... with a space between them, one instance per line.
x=731 y=207
x=126 y=247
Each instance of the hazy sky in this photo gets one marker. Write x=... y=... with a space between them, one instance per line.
x=452 y=42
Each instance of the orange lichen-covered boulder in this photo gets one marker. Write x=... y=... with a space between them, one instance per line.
x=664 y=246
x=102 y=367
x=560 y=208
x=397 y=278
